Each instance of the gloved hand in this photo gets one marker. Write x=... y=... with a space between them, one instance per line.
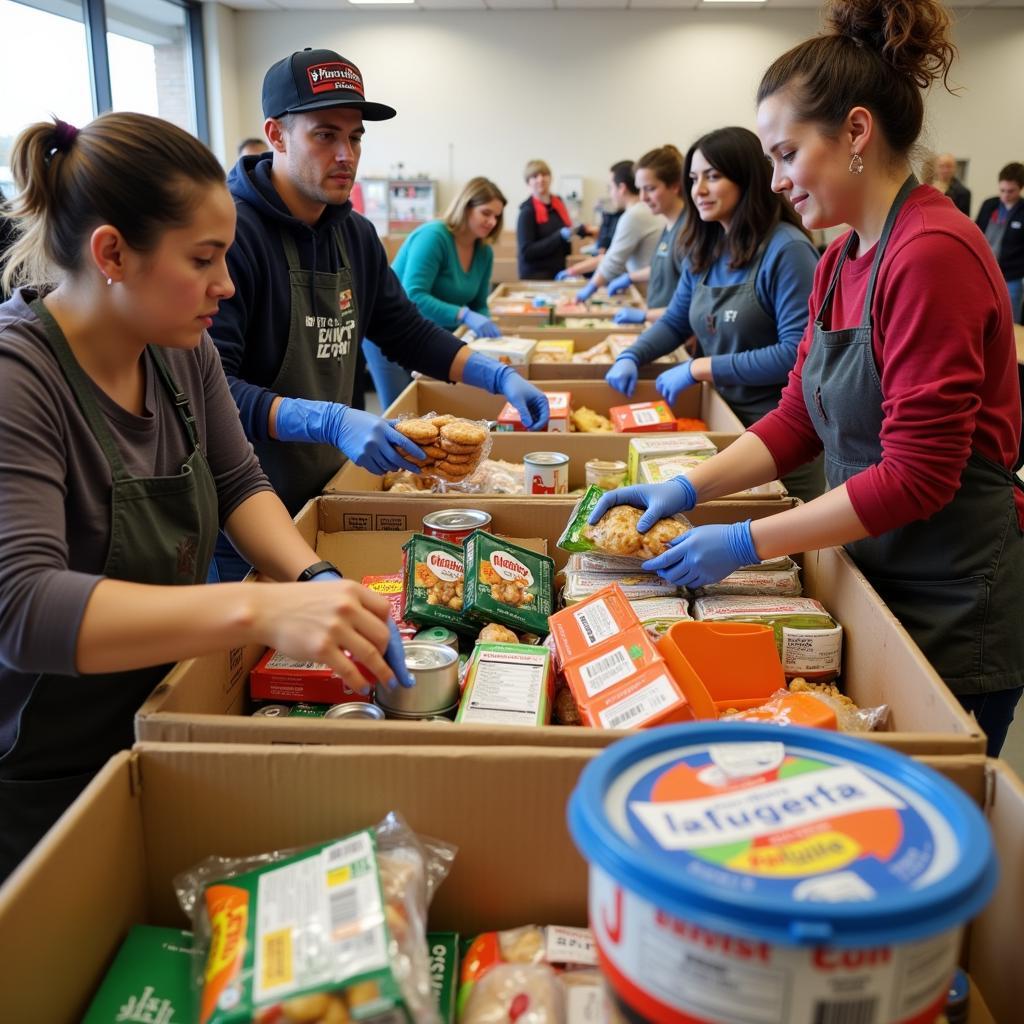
x=705 y=555
x=619 y=284
x=541 y=301
x=672 y=383
x=368 y=440
x=531 y=403
x=586 y=291
x=566 y=233
x=628 y=315
x=624 y=374
x=660 y=500
x=480 y=325
x=564 y=275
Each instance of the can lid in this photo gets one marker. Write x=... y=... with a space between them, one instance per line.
x=457 y=519
x=420 y=655
x=435 y=635
x=546 y=458
x=795 y=836
x=354 y=709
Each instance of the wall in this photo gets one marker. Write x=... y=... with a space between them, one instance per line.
x=481 y=92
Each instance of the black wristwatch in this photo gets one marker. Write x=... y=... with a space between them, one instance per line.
x=315 y=569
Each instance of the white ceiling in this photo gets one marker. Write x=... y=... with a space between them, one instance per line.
x=498 y=5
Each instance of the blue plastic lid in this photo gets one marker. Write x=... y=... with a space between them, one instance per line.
x=794 y=836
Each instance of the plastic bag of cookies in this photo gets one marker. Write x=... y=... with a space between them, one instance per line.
x=454 y=447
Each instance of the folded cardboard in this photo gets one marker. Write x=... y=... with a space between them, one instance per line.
x=109 y=862
x=204 y=699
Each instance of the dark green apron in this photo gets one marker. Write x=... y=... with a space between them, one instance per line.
x=319 y=364
x=954 y=580
x=162 y=531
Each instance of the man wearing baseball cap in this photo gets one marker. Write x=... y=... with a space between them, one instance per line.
x=311 y=279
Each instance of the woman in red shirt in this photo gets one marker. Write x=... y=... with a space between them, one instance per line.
x=905 y=377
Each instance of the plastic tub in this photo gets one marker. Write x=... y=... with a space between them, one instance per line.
x=745 y=874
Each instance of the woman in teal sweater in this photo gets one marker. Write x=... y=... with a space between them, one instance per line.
x=445 y=267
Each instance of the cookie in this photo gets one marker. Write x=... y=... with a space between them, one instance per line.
x=434 y=452
x=458 y=449
x=463 y=432
x=440 y=421
x=459 y=460
x=420 y=431
x=454 y=469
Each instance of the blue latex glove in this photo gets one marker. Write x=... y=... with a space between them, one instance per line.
x=660 y=500
x=705 y=555
x=480 y=325
x=628 y=315
x=563 y=275
x=672 y=383
x=624 y=374
x=367 y=440
x=531 y=403
x=541 y=301
x=586 y=291
x=566 y=233
x=619 y=284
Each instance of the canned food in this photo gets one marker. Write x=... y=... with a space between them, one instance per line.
x=455 y=524
x=546 y=473
x=272 y=711
x=436 y=671
x=354 y=709
x=442 y=715
x=308 y=710
x=438 y=635
x=606 y=473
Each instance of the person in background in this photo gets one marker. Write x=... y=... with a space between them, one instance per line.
x=636 y=234
x=943 y=177
x=121 y=454
x=905 y=377
x=544 y=229
x=445 y=268
x=743 y=289
x=593 y=251
x=659 y=177
x=252 y=147
x=1001 y=217
x=312 y=279
x=7 y=237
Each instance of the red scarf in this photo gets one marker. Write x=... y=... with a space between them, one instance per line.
x=540 y=211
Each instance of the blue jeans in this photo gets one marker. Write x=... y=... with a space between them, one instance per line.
x=994 y=712
x=1016 y=290
x=389 y=379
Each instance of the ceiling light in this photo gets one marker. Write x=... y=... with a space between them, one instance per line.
x=379 y=3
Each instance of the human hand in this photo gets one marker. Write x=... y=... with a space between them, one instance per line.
x=480 y=325
x=705 y=555
x=629 y=315
x=586 y=291
x=672 y=383
x=564 y=275
x=624 y=374
x=530 y=402
x=566 y=233
x=619 y=284
x=660 y=500
x=395 y=657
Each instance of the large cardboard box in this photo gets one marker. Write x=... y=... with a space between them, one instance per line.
x=109 y=862
x=205 y=699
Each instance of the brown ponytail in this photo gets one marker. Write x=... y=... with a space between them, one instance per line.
x=132 y=171
x=879 y=54
x=665 y=163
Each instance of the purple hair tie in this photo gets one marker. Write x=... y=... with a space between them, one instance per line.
x=63 y=135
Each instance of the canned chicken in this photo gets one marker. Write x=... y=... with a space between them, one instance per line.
x=438 y=635
x=455 y=524
x=436 y=671
x=546 y=473
x=354 y=709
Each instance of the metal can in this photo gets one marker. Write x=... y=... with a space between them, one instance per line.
x=354 y=709
x=272 y=711
x=438 y=635
x=436 y=671
x=441 y=715
x=546 y=473
x=455 y=524
x=308 y=710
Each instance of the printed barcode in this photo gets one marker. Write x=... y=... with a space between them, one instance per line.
x=645 y=416
x=347 y=850
x=595 y=623
x=641 y=705
x=627 y=715
x=860 y=1011
x=344 y=907
x=608 y=669
x=357 y=945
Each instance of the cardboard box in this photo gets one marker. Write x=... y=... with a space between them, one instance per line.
x=204 y=699
x=157 y=810
x=564 y=293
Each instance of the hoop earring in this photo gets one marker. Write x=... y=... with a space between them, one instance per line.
x=856 y=164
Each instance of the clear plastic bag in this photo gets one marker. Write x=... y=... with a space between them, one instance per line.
x=454 y=447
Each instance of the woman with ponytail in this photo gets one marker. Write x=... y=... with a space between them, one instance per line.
x=121 y=454
x=906 y=378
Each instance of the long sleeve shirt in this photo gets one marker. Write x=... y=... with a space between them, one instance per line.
x=634 y=243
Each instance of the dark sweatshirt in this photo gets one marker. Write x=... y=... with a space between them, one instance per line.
x=251 y=329
x=542 y=250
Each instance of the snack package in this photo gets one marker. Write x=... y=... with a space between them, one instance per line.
x=443 y=949
x=554 y=350
x=750 y=582
x=643 y=449
x=523 y=993
x=642 y=417
x=849 y=717
x=581 y=585
x=600 y=564
x=331 y=933
x=508 y=584
x=659 y=471
x=659 y=614
x=599 y=353
x=509 y=349
x=454 y=447
x=559 y=405
x=278 y=676
x=507 y=684
x=392 y=588
x=434 y=574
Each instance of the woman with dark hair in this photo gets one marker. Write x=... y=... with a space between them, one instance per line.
x=742 y=291
x=121 y=454
x=906 y=378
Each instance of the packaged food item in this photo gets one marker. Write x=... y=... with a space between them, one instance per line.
x=149 y=980
x=659 y=471
x=785 y=709
x=604 y=615
x=308 y=710
x=438 y=635
x=587 y=421
x=279 y=677
x=849 y=717
x=565 y=710
x=614 y=660
x=581 y=585
x=559 y=404
x=507 y=684
x=391 y=587
x=333 y=932
x=642 y=417
x=599 y=353
x=443 y=949
x=649 y=697
x=514 y=307
x=453 y=447
x=574 y=323
x=749 y=582
x=606 y=473
x=435 y=668
x=600 y=564
x=641 y=449
x=554 y=350
x=809 y=640
x=509 y=349
x=658 y=614
x=494 y=633
x=352 y=709
x=455 y=524
x=527 y=994
x=508 y=584
x=690 y=423
x=546 y=473
x=434 y=575
x=841 y=871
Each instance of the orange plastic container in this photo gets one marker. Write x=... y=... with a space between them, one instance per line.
x=792 y=709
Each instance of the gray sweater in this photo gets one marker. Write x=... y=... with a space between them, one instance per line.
x=634 y=242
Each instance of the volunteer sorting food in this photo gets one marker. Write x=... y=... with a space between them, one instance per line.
x=905 y=378
x=544 y=228
x=121 y=454
x=311 y=279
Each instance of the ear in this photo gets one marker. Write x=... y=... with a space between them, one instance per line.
x=107 y=249
x=276 y=135
x=860 y=129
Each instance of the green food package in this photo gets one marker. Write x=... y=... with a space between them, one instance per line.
x=572 y=538
x=434 y=575
x=508 y=584
x=149 y=979
x=443 y=948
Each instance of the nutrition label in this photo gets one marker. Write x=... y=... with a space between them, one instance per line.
x=506 y=693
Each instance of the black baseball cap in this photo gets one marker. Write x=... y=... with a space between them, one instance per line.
x=315 y=79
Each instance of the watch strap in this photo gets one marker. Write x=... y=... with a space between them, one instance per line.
x=315 y=569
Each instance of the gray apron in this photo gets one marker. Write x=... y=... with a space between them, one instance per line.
x=162 y=531
x=319 y=364
x=728 y=319
x=665 y=267
x=953 y=580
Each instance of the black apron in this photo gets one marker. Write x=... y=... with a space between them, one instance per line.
x=953 y=580
x=666 y=266
x=319 y=364
x=162 y=531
